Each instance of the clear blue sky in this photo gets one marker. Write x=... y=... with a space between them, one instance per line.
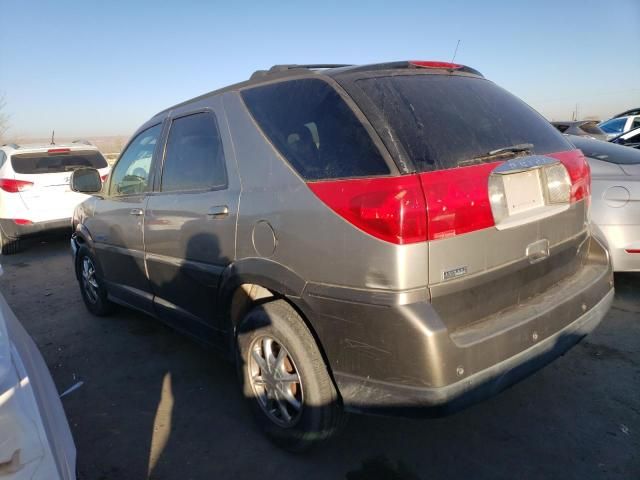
x=91 y=68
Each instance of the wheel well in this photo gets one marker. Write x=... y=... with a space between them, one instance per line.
x=244 y=298
x=247 y=295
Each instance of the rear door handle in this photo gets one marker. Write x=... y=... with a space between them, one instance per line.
x=219 y=211
x=136 y=211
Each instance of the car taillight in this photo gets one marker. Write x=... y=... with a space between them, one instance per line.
x=579 y=173
x=389 y=208
x=22 y=221
x=444 y=203
x=104 y=178
x=457 y=200
x=14 y=186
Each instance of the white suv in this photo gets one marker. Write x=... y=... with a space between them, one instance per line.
x=34 y=187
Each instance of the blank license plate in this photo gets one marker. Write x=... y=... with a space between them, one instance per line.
x=523 y=191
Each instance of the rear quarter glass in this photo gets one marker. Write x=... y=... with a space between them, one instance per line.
x=315 y=130
x=441 y=120
x=43 y=162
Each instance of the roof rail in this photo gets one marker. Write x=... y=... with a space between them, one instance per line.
x=83 y=141
x=310 y=66
x=294 y=66
x=15 y=146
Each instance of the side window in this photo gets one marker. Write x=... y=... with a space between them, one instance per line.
x=194 y=158
x=636 y=123
x=131 y=174
x=315 y=130
x=3 y=158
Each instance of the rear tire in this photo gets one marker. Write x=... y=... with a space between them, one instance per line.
x=94 y=293
x=8 y=245
x=280 y=366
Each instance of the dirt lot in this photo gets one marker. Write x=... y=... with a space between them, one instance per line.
x=153 y=401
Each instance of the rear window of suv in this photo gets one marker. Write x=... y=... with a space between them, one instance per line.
x=315 y=130
x=33 y=163
x=442 y=120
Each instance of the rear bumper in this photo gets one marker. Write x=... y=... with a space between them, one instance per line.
x=392 y=399
x=11 y=230
x=392 y=353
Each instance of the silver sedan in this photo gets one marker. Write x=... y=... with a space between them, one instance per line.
x=615 y=197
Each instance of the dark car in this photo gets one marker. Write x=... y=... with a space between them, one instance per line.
x=399 y=238
x=627 y=113
x=628 y=139
x=587 y=128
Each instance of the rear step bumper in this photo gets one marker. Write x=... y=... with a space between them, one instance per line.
x=393 y=355
x=384 y=398
x=11 y=230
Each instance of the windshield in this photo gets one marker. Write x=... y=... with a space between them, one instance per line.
x=613 y=126
x=30 y=163
x=606 y=151
x=443 y=120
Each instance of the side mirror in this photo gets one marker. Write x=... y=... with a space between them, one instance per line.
x=86 y=180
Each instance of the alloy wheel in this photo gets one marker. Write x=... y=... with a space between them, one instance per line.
x=275 y=381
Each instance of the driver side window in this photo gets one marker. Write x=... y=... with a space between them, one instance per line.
x=131 y=174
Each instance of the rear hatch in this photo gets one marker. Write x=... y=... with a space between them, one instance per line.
x=46 y=191
x=506 y=195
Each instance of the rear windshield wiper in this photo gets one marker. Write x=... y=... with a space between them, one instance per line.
x=498 y=152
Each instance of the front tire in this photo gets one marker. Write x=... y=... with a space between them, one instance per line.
x=94 y=294
x=285 y=379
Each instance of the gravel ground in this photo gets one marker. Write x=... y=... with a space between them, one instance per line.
x=155 y=405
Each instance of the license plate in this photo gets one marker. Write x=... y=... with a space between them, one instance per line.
x=523 y=191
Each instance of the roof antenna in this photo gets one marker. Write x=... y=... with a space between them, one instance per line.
x=455 y=52
x=53 y=136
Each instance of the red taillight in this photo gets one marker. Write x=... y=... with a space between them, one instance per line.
x=389 y=208
x=457 y=200
x=59 y=150
x=430 y=64
x=431 y=205
x=22 y=221
x=14 y=186
x=579 y=173
x=632 y=250
x=104 y=178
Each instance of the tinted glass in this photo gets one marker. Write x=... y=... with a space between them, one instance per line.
x=445 y=119
x=606 y=151
x=315 y=130
x=30 y=163
x=592 y=128
x=562 y=128
x=630 y=138
x=131 y=174
x=194 y=159
x=613 y=126
x=636 y=123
